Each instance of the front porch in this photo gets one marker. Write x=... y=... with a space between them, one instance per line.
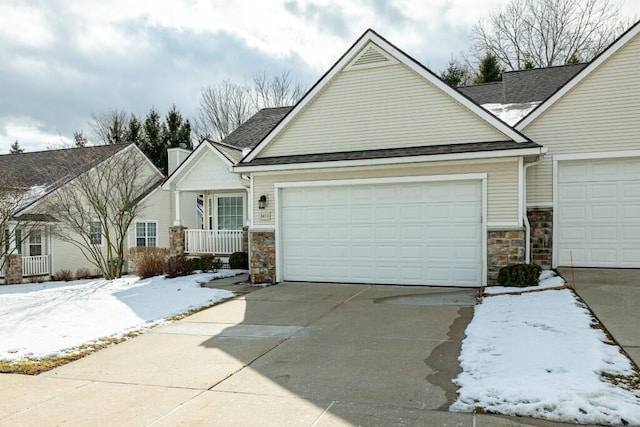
x=30 y=266
x=216 y=242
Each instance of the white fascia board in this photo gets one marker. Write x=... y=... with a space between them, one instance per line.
x=593 y=65
x=194 y=158
x=387 y=180
x=394 y=160
x=371 y=36
x=597 y=155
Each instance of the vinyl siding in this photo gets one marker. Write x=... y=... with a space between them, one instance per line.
x=502 y=184
x=376 y=108
x=600 y=114
x=209 y=171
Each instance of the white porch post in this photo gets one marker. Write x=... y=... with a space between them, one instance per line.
x=177 y=221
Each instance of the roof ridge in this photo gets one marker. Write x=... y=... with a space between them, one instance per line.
x=57 y=150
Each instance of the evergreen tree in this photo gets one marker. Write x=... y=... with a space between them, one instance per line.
x=489 y=70
x=134 y=132
x=152 y=142
x=455 y=75
x=16 y=149
x=177 y=131
x=79 y=139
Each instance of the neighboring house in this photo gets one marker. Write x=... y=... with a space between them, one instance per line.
x=39 y=174
x=384 y=174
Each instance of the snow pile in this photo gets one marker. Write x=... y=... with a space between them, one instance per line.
x=548 y=279
x=510 y=113
x=47 y=319
x=536 y=355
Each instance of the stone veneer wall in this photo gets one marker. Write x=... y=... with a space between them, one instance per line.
x=504 y=247
x=13 y=270
x=541 y=221
x=262 y=260
x=176 y=240
x=245 y=239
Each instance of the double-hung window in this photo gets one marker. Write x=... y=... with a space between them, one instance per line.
x=146 y=233
x=9 y=241
x=95 y=232
x=35 y=243
x=230 y=212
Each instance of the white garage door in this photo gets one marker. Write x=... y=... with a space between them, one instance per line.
x=599 y=213
x=409 y=233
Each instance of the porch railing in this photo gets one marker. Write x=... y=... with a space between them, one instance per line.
x=32 y=266
x=212 y=241
x=36 y=265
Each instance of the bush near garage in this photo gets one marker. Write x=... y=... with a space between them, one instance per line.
x=239 y=261
x=519 y=275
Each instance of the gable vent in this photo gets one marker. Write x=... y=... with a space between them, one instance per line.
x=372 y=56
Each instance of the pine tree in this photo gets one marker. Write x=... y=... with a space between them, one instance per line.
x=489 y=70
x=152 y=143
x=455 y=75
x=16 y=149
x=79 y=139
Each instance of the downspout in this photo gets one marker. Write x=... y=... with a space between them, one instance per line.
x=525 y=218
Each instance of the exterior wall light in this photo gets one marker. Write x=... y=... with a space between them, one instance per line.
x=262 y=202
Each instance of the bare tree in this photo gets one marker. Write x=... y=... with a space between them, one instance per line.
x=226 y=106
x=13 y=229
x=94 y=211
x=110 y=127
x=543 y=33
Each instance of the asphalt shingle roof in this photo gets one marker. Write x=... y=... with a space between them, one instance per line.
x=427 y=150
x=51 y=168
x=523 y=86
x=250 y=133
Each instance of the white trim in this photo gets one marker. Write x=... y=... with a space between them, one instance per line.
x=214 y=187
x=172 y=180
x=594 y=65
x=215 y=196
x=554 y=190
x=262 y=228
x=596 y=155
x=521 y=189
x=395 y=160
x=135 y=232
x=504 y=225
x=349 y=56
x=482 y=177
x=540 y=205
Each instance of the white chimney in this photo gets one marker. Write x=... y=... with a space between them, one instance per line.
x=176 y=156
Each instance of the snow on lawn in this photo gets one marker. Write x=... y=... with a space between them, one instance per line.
x=536 y=355
x=548 y=279
x=47 y=319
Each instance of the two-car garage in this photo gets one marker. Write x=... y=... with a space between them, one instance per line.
x=413 y=232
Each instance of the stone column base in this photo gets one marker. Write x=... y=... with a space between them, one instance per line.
x=262 y=259
x=504 y=247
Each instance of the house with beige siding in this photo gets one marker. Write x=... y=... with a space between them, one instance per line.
x=384 y=174
x=33 y=248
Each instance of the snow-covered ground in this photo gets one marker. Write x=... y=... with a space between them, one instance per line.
x=537 y=355
x=48 y=319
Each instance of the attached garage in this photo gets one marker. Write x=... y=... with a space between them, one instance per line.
x=368 y=231
x=598 y=218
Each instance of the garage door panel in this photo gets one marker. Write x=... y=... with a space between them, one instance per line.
x=396 y=233
x=597 y=224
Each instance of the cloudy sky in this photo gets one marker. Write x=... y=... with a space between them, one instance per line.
x=61 y=61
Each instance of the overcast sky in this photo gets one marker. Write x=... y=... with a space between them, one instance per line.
x=63 y=60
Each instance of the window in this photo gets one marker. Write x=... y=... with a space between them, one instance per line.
x=35 y=243
x=146 y=234
x=17 y=242
x=230 y=215
x=95 y=231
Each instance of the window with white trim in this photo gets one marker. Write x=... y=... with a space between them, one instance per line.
x=230 y=213
x=95 y=232
x=146 y=233
x=8 y=241
x=35 y=243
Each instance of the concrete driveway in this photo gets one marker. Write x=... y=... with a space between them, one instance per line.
x=292 y=354
x=613 y=295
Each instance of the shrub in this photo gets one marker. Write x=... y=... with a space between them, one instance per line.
x=63 y=275
x=239 y=261
x=196 y=263
x=177 y=266
x=148 y=261
x=519 y=275
x=83 y=273
x=210 y=263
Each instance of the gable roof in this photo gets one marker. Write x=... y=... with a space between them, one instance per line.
x=625 y=38
x=522 y=86
x=251 y=132
x=353 y=55
x=53 y=168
